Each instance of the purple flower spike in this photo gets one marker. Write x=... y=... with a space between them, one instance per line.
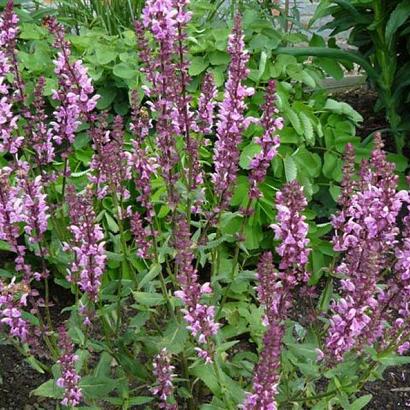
x=206 y=106
x=366 y=232
x=88 y=243
x=291 y=229
x=271 y=295
x=9 y=142
x=164 y=374
x=200 y=317
x=70 y=379
x=269 y=142
x=232 y=121
x=75 y=92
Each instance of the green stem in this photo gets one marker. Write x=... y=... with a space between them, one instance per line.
x=235 y=259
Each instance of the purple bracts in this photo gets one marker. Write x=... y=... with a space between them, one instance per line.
x=164 y=374
x=200 y=317
x=8 y=121
x=88 y=244
x=70 y=379
x=269 y=141
x=266 y=378
x=206 y=106
x=10 y=311
x=110 y=161
x=231 y=122
x=75 y=92
x=291 y=229
x=366 y=231
x=33 y=203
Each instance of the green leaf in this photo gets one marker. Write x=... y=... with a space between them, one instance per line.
x=4 y=246
x=97 y=387
x=149 y=298
x=219 y=76
x=329 y=164
x=49 y=389
x=262 y=64
x=290 y=169
x=343 y=109
x=198 y=65
x=152 y=274
x=361 y=402
x=307 y=128
x=219 y=58
x=247 y=155
x=294 y=119
x=105 y=55
x=305 y=350
x=331 y=67
x=207 y=374
x=108 y=95
x=326 y=296
x=397 y=18
x=125 y=71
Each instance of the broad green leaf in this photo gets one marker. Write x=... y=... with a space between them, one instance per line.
x=294 y=119
x=344 y=109
x=151 y=275
x=97 y=387
x=397 y=18
x=105 y=55
x=219 y=58
x=247 y=155
x=4 y=246
x=331 y=67
x=361 y=402
x=49 y=389
x=329 y=164
x=290 y=169
x=148 y=298
x=125 y=71
x=198 y=65
x=307 y=128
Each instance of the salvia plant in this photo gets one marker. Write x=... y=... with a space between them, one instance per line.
x=164 y=308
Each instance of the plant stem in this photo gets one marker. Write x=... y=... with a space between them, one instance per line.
x=235 y=259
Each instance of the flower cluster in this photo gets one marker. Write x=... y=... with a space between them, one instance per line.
x=366 y=231
x=10 y=311
x=291 y=229
x=110 y=161
x=75 y=92
x=206 y=106
x=8 y=121
x=39 y=136
x=33 y=203
x=70 y=379
x=164 y=374
x=87 y=244
x=271 y=295
x=275 y=291
x=269 y=141
x=200 y=317
x=231 y=122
